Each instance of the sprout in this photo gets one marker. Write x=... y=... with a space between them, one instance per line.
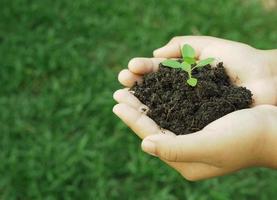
x=189 y=63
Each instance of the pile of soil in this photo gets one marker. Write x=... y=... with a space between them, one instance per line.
x=182 y=109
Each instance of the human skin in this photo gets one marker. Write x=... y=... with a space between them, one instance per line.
x=241 y=139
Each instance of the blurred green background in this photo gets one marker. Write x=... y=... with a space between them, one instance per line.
x=58 y=69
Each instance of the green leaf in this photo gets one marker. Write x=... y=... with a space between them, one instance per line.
x=190 y=60
x=186 y=66
x=172 y=64
x=188 y=51
x=205 y=62
x=192 y=81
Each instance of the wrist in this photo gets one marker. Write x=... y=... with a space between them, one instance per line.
x=268 y=154
x=270 y=57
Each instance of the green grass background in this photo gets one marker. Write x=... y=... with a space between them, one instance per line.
x=58 y=69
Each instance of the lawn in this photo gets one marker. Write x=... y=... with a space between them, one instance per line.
x=58 y=69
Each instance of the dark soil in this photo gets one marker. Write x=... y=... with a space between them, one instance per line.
x=182 y=109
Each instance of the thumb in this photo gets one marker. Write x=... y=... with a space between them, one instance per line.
x=173 y=48
x=189 y=148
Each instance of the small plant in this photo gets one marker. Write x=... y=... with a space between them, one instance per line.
x=189 y=63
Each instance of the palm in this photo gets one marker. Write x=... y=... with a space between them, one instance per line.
x=245 y=68
x=211 y=152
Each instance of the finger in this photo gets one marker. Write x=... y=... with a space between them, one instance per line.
x=196 y=147
x=141 y=124
x=173 y=48
x=125 y=96
x=144 y=65
x=127 y=78
x=193 y=171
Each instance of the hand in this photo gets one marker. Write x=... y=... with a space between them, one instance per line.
x=235 y=141
x=238 y=140
x=247 y=66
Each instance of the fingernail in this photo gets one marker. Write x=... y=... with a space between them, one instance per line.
x=156 y=52
x=149 y=147
x=115 y=95
x=115 y=109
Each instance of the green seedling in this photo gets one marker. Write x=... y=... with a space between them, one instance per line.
x=189 y=63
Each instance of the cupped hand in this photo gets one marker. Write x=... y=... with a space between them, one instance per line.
x=247 y=66
x=238 y=140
